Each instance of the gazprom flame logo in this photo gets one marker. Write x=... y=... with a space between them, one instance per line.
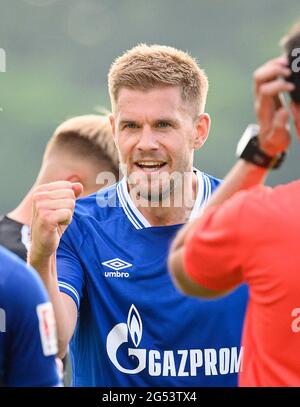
x=119 y=336
x=135 y=326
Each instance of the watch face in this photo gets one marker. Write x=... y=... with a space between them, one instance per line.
x=249 y=133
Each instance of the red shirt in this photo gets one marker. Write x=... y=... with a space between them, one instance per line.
x=255 y=238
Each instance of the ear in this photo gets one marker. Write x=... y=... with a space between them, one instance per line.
x=113 y=126
x=202 y=125
x=74 y=178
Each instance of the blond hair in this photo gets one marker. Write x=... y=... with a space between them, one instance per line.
x=88 y=136
x=148 y=66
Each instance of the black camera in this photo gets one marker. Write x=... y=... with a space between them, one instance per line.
x=294 y=65
x=291 y=45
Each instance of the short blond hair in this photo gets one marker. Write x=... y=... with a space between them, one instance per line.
x=88 y=136
x=149 y=66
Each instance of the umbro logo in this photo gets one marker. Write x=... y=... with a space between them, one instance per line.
x=116 y=265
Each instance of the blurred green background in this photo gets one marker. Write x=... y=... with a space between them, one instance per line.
x=58 y=53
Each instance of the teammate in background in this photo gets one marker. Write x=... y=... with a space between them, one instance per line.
x=256 y=233
x=80 y=149
x=28 y=342
x=135 y=328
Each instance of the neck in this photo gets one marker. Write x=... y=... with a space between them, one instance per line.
x=173 y=211
x=23 y=212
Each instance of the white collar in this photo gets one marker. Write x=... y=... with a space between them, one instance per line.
x=138 y=219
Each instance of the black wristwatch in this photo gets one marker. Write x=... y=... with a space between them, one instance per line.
x=248 y=149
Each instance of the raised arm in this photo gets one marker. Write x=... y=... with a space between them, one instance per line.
x=53 y=207
x=274 y=138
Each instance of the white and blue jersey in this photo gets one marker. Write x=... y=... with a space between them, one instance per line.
x=27 y=337
x=134 y=327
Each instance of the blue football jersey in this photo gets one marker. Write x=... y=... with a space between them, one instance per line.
x=134 y=327
x=27 y=339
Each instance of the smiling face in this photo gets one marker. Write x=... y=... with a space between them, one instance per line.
x=156 y=132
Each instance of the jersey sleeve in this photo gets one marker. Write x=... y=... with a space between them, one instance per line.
x=69 y=269
x=31 y=330
x=212 y=253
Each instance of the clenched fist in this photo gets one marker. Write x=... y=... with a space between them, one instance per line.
x=53 y=207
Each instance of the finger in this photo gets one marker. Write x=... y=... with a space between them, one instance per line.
x=269 y=73
x=278 y=63
x=296 y=116
x=265 y=105
x=295 y=111
x=278 y=137
x=77 y=188
x=55 y=204
x=281 y=119
x=51 y=186
x=60 y=217
x=56 y=194
x=278 y=101
x=275 y=87
x=50 y=219
x=282 y=59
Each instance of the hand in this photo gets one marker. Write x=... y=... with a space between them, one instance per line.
x=53 y=207
x=272 y=116
x=295 y=108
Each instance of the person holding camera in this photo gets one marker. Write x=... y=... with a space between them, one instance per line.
x=253 y=236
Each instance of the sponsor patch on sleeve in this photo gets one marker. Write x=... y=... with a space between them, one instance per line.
x=47 y=328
